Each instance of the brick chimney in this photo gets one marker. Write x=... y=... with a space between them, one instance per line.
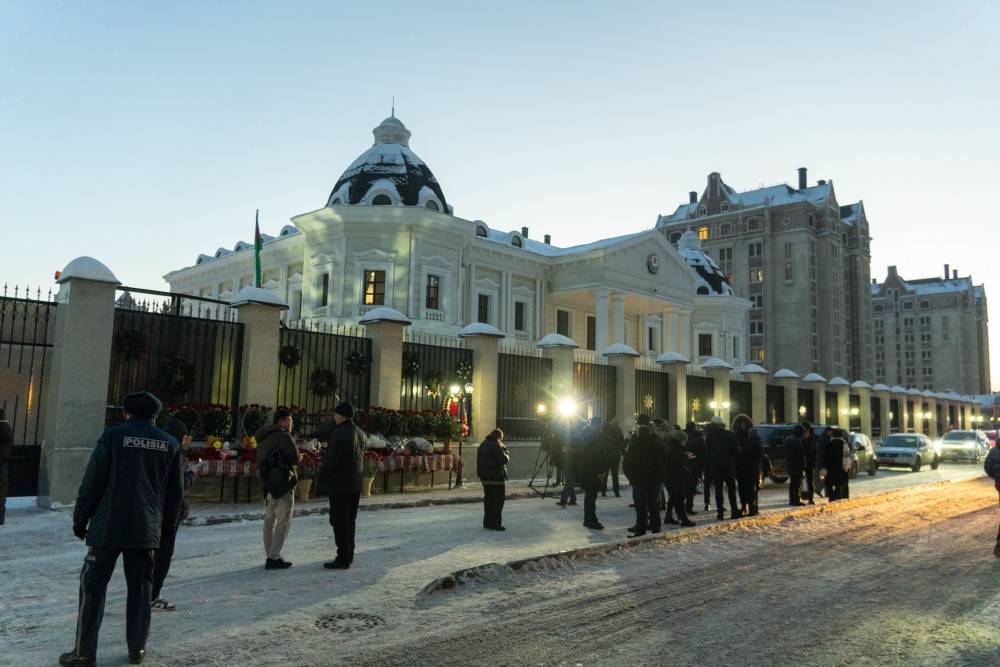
x=548 y=240
x=692 y=197
x=802 y=178
x=524 y=232
x=946 y=272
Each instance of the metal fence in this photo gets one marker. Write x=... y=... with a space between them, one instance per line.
x=429 y=371
x=876 y=408
x=832 y=408
x=182 y=360
x=596 y=389
x=775 y=401
x=26 y=334
x=806 y=400
x=652 y=395
x=318 y=369
x=523 y=383
x=700 y=394
x=740 y=397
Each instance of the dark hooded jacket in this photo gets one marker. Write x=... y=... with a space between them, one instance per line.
x=643 y=462
x=696 y=446
x=491 y=461
x=795 y=453
x=132 y=487
x=340 y=473
x=722 y=451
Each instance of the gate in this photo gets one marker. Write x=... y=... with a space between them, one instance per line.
x=806 y=401
x=596 y=390
x=523 y=383
x=652 y=395
x=429 y=371
x=775 y=403
x=25 y=357
x=740 y=397
x=700 y=394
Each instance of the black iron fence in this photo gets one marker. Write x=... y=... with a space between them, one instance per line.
x=523 y=383
x=26 y=331
x=700 y=394
x=740 y=397
x=652 y=395
x=318 y=369
x=596 y=389
x=775 y=401
x=876 y=408
x=182 y=360
x=806 y=401
x=832 y=408
x=430 y=371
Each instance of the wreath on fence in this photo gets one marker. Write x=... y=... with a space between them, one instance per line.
x=464 y=371
x=289 y=356
x=411 y=364
x=434 y=384
x=132 y=344
x=176 y=375
x=323 y=382
x=357 y=363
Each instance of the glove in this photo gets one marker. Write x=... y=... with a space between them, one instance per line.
x=80 y=531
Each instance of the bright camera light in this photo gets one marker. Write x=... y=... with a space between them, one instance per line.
x=567 y=407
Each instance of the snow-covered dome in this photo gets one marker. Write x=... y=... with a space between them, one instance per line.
x=389 y=174
x=713 y=280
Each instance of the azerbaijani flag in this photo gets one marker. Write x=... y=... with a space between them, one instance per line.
x=257 y=245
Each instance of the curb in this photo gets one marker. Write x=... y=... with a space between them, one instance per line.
x=465 y=575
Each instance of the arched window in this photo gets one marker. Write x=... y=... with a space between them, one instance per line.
x=381 y=200
x=481 y=231
x=702 y=290
x=517 y=242
x=703 y=233
x=725 y=207
x=432 y=205
x=703 y=211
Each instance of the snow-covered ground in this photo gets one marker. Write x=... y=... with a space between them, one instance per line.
x=701 y=587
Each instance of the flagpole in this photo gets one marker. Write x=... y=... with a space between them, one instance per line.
x=257 y=244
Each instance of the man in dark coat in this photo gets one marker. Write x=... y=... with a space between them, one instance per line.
x=491 y=468
x=6 y=445
x=747 y=469
x=809 y=444
x=643 y=466
x=674 y=473
x=593 y=468
x=795 y=461
x=132 y=486
x=695 y=446
x=340 y=478
x=615 y=442
x=277 y=510
x=833 y=463
x=751 y=457
x=722 y=453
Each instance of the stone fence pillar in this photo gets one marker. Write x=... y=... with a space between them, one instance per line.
x=259 y=311
x=882 y=393
x=758 y=388
x=865 y=395
x=843 y=389
x=789 y=381
x=78 y=386
x=384 y=326
x=560 y=350
x=675 y=364
x=485 y=343
x=720 y=370
x=622 y=357
x=817 y=384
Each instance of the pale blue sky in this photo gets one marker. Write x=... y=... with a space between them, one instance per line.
x=145 y=133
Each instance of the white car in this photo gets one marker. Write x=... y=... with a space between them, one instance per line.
x=908 y=450
x=965 y=445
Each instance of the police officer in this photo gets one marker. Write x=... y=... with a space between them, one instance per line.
x=132 y=487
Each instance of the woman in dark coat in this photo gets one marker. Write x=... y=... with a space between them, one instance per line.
x=747 y=467
x=751 y=456
x=833 y=463
x=491 y=467
x=674 y=473
x=722 y=453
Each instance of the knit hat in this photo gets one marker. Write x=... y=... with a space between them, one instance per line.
x=345 y=409
x=691 y=426
x=142 y=404
x=679 y=436
x=717 y=419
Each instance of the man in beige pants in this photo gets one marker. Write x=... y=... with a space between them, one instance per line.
x=277 y=511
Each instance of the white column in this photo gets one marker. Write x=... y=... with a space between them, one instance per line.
x=601 y=313
x=470 y=315
x=618 y=318
x=684 y=332
x=669 y=329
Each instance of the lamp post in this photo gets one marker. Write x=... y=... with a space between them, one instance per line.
x=463 y=397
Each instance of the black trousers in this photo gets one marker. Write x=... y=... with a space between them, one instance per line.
x=568 y=494
x=690 y=490
x=162 y=558
x=343 y=516
x=810 y=478
x=493 y=497
x=590 y=488
x=795 y=486
x=731 y=492
x=749 y=484
x=97 y=569
x=613 y=474
x=676 y=499
x=646 y=498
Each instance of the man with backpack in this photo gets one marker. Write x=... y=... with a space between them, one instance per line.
x=277 y=458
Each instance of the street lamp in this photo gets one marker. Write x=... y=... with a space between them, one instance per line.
x=802 y=411
x=714 y=405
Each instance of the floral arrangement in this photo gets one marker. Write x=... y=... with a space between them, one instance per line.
x=289 y=356
x=252 y=417
x=464 y=371
x=411 y=364
x=430 y=424
x=357 y=363
x=434 y=384
x=310 y=459
x=216 y=420
x=217 y=451
x=323 y=382
x=176 y=375
x=370 y=465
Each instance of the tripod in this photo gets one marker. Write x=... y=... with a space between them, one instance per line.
x=542 y=460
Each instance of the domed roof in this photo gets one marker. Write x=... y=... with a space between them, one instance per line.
x=389 y=173
x=689 y=247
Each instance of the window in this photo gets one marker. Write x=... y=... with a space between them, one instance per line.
x=562 y=323
x=703 y=233
x=736 y=348
x=754 y=250
x=381 y=200
x=925 y=321
x=702 y=211
x=907 y=305
x=725 y=207
x=878 y=309
x=433 y=286
x=517 y=242
x=754 y=224
x=519 y=316
x=756 y=301
x=431 y=205
x=880 y=356
x=756 y=275
x=810 y=220
x=925 y=354
x=705 y=345
x=756 y=354
x=925 y=338
x=481 y=231
x=324 y=289
x=484 y=309
x=374 y=288
x=702 y=290
x=650 y=340
x=927 y=370
x=909 y=355
x=925 y=305
x=880 y=340
x=591 y=332
x=675 y=237
x=878 y=324
x=756 y=328
x=907 y=321
x=725 y=230
x=725 y=254
x=911 y=372
x=788 y=250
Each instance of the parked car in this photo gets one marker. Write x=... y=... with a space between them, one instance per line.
x=992 y=435
x=862 y=455
x=774 y=436
x=907 y=450
x=964 y=445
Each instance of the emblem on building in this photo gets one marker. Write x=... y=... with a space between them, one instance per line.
x=653 y=263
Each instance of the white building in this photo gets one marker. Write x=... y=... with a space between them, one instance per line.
x=387 y=237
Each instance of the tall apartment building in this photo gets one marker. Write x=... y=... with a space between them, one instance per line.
x=931 y=333
x=802 y=259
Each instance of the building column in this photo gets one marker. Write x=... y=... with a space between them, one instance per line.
x=865 y=396
x=670 y=319
x=78 y=383
x=677 y=389
x=601 y=313
x=789 y=381
x=618 y=318
x=932 y=426
x=624 y=364
x=384 y=327
x=684 y=332
x=260 y=313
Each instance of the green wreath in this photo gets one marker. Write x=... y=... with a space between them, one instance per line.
x=176 y=375
x=357 y=363
x=434 y=384
x=132 y=344
x=323 y=382
x=289 y=356
x=464 y=371
x=411 y=364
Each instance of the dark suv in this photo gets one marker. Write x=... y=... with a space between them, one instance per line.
x=774 y=436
